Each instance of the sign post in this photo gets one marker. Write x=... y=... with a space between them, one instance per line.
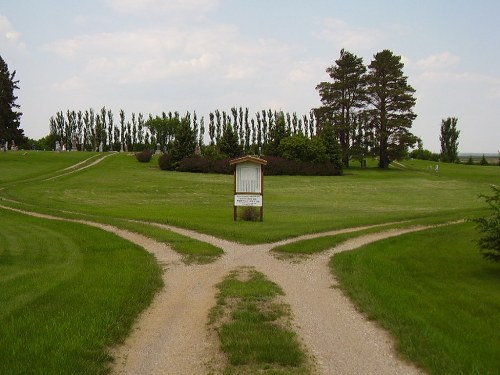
x=248 y=183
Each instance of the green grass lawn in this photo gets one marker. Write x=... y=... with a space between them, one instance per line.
x=435 y=293
x=67 y=293
x=253 y=327
x=66 y=288
x=120 y=187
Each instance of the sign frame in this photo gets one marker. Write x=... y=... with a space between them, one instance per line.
x=248 y=184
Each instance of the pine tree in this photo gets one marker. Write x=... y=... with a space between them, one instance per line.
x=343 y=98
x=392 y=101
x=9 y=116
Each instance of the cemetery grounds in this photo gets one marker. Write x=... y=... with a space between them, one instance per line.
x=414 y=297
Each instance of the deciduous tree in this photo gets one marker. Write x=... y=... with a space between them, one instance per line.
x=449 y=140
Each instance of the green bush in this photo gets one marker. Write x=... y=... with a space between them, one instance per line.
x=489 y=227
x=298 y=147
x=166 y=162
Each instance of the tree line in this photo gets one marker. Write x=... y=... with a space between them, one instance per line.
x=91 y=129
x=366 y=111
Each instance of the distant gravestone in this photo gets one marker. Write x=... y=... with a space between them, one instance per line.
x=73 y=144
x=64 y=148
x=13 y=146
x=58 y=147
x=158 y=149
x=101 y=147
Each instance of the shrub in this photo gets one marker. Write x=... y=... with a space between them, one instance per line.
x=144 y=156
x=280 y=166
x=165 y=162
x=489 y=227
x=483 y=161
x=202 y=164
x=275 y=166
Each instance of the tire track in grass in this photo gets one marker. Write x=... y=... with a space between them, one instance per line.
x=171 y=336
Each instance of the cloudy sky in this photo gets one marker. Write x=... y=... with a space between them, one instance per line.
x=151 y=56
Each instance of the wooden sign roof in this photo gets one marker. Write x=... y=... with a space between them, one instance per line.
x=248 y=159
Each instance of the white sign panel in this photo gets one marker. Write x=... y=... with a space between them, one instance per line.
x=248 y=178
x=248 y=200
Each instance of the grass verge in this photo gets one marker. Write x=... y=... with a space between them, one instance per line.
x=438 y=298
x=192 y=251
x=254 y=327
x=68 y=293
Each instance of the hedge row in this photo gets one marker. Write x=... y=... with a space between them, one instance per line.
x=275 y=166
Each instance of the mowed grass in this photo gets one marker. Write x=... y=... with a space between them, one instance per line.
x=192 y=251
x=120 y=187
x=436 y=295
x=67 y=293
x=22 y=166
x=253 y=327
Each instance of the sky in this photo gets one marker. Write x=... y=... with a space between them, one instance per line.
x=154 y=56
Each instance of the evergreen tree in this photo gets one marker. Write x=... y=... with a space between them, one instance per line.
x=184 y=144
x=229 y=143
x=343 y=98
x=9 y=116
x=449 y=140
x=392 y=101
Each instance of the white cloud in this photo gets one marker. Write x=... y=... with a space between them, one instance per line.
x=11 y=36
x=347 y=36
x=73 y=83
x=168 y=54
x=165 y=7
x=440 y=61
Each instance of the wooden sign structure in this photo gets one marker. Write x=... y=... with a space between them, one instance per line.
x=248 y=183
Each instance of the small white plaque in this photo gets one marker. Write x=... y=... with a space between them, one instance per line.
x=248 y=200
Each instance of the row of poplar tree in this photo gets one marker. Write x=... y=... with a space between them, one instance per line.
x=94 y=130
x=369 y=108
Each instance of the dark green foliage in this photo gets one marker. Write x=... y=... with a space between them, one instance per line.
x=489 y=227
x=343 y=98
x=281 y=166
x=449 y=140
x=422 y=154
x=164 y=128
x=202 y=164
x=298 y=147
x=144 y=156
x=483 y=161
x=333 y=150
x=185 y=142
x=9 y=116
x=229 y=144
x=277 y=132
x=391 y=100
x=165 y=162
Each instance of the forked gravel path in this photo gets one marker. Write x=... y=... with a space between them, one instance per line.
x=171 y=336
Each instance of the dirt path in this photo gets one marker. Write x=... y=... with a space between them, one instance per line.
x=171 y=336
